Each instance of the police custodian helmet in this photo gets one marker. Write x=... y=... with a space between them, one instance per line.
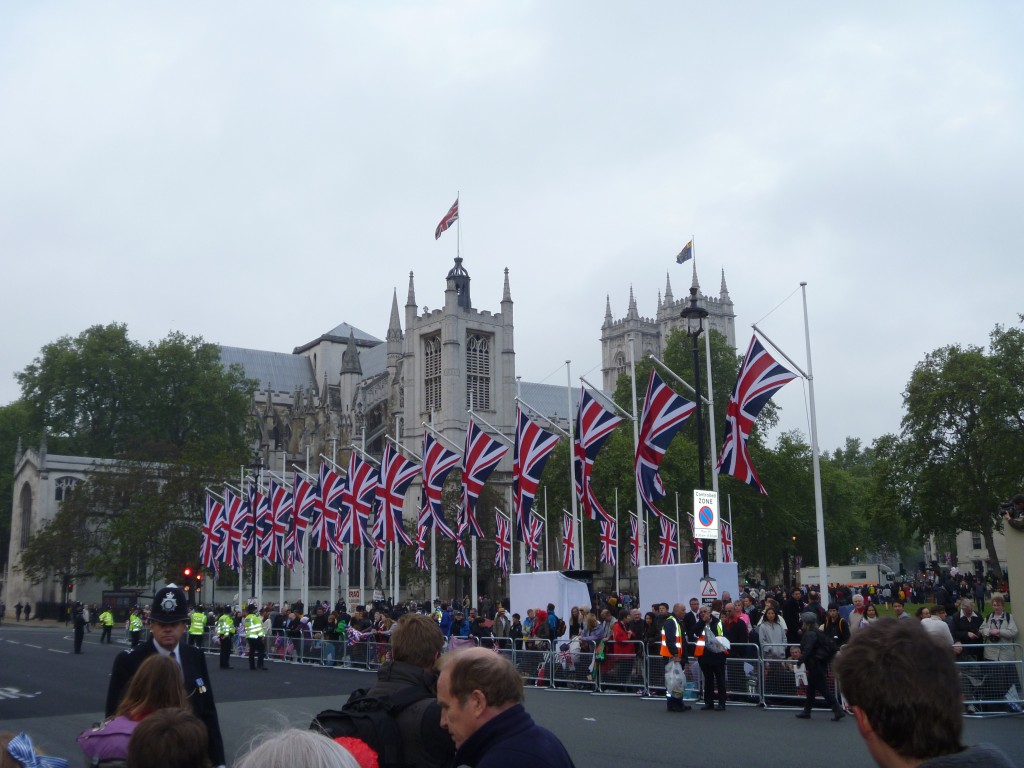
x=170 y=605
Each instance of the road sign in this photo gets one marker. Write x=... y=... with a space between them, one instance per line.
x=708 y=591
x=705 y=515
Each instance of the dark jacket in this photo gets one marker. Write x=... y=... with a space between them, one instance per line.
x=808 y=645
x=961 y=628
x=513 y=740
x=197 y=686
x=425 y=744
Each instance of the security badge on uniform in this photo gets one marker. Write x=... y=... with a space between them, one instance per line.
x=169 y=603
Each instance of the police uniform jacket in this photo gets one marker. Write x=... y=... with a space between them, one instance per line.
x=197 y=685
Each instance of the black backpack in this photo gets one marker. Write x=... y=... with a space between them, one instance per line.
x=559 y=628
x=372 y=719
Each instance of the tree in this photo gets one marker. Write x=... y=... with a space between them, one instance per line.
x=173 y=417
x=959 y=448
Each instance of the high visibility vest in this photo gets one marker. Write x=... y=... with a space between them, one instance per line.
x=253 y=626
x=225 y=626
x=198 y=625
x=107 y=619
x=680 y=640
x=134 y=623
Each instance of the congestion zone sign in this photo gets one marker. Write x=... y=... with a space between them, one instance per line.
x=705 y=515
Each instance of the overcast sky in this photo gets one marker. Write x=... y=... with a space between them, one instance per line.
x=257 y=173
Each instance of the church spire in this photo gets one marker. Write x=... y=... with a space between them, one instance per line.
x=607 y=309
x=723 y=293
x=631 y=313
x=695 y=283
x=507 y=293
x=350 y=357
x=395 y=325
x=668 y=289
x=411 y=301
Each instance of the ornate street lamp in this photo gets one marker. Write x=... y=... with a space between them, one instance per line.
x=694 y=317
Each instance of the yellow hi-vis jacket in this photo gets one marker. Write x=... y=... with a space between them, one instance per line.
x=253 y=626
x=225 y=626
x=107 y=619
x=198 y=625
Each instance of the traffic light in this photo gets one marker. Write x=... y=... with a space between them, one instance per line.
x=188 y=572
x=71 y=587
x=199 y=582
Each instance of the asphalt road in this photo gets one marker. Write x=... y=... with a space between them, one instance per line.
x=54 y=695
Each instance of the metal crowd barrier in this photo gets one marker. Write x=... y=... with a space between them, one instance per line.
x=624 y=668
x=991 y=685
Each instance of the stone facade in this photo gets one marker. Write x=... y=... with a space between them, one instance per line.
x=651 y=334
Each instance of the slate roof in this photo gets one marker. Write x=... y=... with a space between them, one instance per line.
x=285 y=372
x=340 y=334
x=550 y=399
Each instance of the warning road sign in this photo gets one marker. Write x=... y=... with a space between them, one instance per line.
x=709 y=590
x=705 y=515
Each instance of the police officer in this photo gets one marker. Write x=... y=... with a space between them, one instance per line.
x=107 y=622
x=169 y=621
x=673 y=650
x=226 y=632
x=254 y=634
x=135 y=627
x=78 y=618
x=197 y=628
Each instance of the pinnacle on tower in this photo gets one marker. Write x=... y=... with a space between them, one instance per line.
x=631 y=312
x=695 y=283
x=350 y=357
x=607 y=309
x=395 y=324
x=506 y=294
x=724 y=291
x=411 y=301
x=668 y=289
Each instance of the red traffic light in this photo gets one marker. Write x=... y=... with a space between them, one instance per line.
x=188 y=571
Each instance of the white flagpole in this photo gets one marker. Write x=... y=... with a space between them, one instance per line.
x=636 y=433
x=572 y=466
x=732 y=532
x=395 y=587
x=433 y=545
x=241 y=555
x=547 y=546
x=362 y=549
x=679 y=533
x=711 y=432
x=617 y=590
x=344 y=549
x=819 y=517
x=304 y=594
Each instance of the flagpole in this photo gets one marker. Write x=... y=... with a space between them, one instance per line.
x=433 y=540
x=304 y=594
x=280 y=589
x=395 y=586
x=819 y=517
x=547 y=547
x=711 y=432
x=617 y=590
x=344 y=548
x=241 y=553
x=572 y=464
x=679 y=533
x=732 y=531
x=362 y=549
x=636 y=432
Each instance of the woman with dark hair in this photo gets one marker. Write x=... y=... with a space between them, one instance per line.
x=157 y=685
x=575 y=624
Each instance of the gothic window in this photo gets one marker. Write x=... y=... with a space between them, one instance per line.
x=478 y=372
x=62 y=485
x=432 y=373
x=621 y=364
x=26 y=514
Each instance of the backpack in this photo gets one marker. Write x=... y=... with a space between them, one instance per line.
x=372 y=720
x=559 y=628
x=824 y=649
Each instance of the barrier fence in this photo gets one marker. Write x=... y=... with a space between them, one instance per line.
x=991 y=674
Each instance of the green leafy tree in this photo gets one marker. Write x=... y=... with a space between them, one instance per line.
x=958 y=453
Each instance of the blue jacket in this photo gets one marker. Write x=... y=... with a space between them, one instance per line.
x=512 y=740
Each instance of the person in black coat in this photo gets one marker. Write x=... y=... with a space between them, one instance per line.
x=817 y=669
x=169 y=622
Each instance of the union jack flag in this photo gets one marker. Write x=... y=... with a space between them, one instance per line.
x=664 y=413
x=726 y=529
x=396 y=473
x=213 y=531
x=594 y=424
x=698 y=545
x=304 y=503
x=230 y=544
x=533 y=446
x=669 y=541
x=247 y=521
x=609 y=542
x=634 y=540
x=461 y=558
x=502 y=542
x=326 y=518
x=421 y=548
x=533 y=537
x=482 y=456
x=759 y=379
x=378 y=559
x=357 y=501
x=263 y=524
x=438 y=461
x=281 y=511
x=568 y=543
x=449 y=218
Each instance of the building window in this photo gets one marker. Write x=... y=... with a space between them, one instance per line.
x=478 y=372
x=975 y=541
x=320 y=561
x=432 y=373
x=26 y=514
x=621 y=365
x=62 y=485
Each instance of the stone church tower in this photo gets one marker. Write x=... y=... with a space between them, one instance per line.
x=651 y=334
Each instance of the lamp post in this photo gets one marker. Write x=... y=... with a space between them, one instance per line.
x=257 y=469
x=694 y=317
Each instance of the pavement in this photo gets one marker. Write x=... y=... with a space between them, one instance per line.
x=54 y=694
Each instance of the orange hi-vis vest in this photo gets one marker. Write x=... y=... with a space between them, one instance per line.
x=680 y=640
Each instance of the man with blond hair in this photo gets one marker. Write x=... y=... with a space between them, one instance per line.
x=481 y=698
